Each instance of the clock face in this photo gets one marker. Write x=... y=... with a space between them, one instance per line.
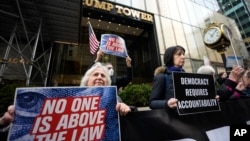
x=212 y=35
x=226 y=31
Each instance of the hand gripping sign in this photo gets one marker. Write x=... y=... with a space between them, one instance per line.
x=113 y=45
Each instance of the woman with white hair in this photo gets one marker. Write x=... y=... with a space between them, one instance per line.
x=98 y=75
x=206 y=69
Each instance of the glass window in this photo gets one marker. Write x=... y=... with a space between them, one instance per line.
x=205 y=14
x=159 y=34
x=168 y=33
x=188 y=66
x=199 y=41
x=163 y=8
x=212 y=54
x=191 y=13
x=151 y=6
x=124 y=2
x=198 y=15
x=200 y=2
x=183 y=12
x=191 y=42
x=179 y=35
x=196 y=64
x=212 y=5
x=140 y=4
x=174 y=12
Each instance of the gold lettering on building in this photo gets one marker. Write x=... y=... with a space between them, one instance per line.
x=99 y=5
x=133 y=13
x=102 y=5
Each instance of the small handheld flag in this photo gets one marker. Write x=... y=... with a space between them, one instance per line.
x=93 y=42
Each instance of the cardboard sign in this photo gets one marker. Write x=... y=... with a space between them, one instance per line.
x=65 y=114
x=113 y=45
x=195 y=93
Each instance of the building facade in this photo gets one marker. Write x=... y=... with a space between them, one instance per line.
x=157 y=26
x=148 y=27
x=239 y=11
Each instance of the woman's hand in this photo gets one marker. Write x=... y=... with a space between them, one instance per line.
x=8 y=116
x=240 y=86
x=172 y=103
x=128 y=61
x=99 y=56
x=236 y=74
x=122 y=108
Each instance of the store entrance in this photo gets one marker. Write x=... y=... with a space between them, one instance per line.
x=139 y=37
x=72 y=60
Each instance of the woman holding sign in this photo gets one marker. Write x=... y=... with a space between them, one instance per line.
x=162 y=95
x=98 y=75
x=118 y=81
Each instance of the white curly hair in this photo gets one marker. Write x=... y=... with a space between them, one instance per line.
x=206 y=69
x=87 y=74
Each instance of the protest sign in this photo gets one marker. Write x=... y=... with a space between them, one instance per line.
x=65 y=114
x=195 y=93
x=113 y=45
x=234 y=61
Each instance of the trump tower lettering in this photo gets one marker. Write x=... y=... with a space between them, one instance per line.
x=113 y=45
x=65 y=114
x=195 y=93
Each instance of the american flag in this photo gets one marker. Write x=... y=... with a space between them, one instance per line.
x=93 y=42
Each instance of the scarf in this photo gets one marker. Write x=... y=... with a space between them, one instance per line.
x=173 y=68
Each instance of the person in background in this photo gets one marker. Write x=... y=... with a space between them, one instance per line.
x=232 y=85
x=98 y=75
x=221 y=78
x=119 y=81
x=243 y=88
x=246 y=82
x=228 y=87
x=162 y=94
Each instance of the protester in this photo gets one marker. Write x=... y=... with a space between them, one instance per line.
x=246 y=82
x=231 y=85
x=206 y=69
x=221 y=78
x=229 y=88
x=118 y=81
x=162 y=95
x=243 y=88
x=98 y=75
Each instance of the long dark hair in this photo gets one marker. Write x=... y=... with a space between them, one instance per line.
x=169 y=54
